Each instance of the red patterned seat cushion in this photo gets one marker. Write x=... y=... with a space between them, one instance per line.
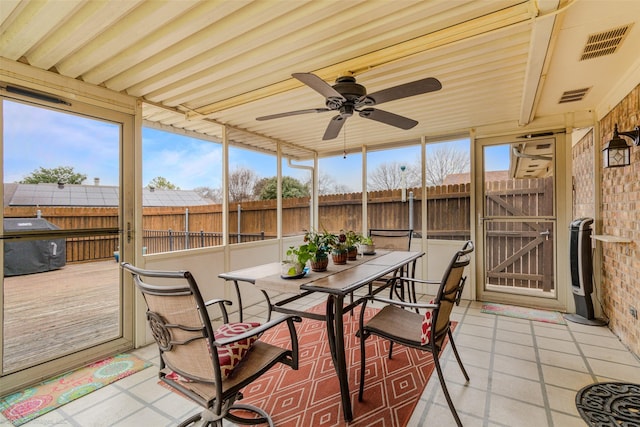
x=425 y=336
x=230 y=355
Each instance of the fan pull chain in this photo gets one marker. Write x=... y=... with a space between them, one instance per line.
x=344 y=152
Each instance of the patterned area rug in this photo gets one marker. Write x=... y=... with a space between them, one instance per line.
x=524 y=313
x=610 y=404
x=44 y=397
x=310 y=396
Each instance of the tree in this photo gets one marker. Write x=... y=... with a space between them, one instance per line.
x=241 y=184
x=388 y=176
x=445 y=160
x=213 y=194
x=291 y=187
x=162 y=183
x=61 y=174
x=328 y=185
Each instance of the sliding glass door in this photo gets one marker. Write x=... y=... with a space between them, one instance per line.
x=62 y=296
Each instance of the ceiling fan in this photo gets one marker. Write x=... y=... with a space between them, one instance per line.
x=347 y=96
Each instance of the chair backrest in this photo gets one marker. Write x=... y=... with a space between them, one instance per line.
x=450 y=292
x=179 y=323
x=394 y=239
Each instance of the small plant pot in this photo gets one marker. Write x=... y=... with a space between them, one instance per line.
x=367 y=249
x=291 y=268
x=352 y=253
x=339 y=258
x=320 y=264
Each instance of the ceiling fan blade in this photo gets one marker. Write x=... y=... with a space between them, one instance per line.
x=388 y=118
x=319 y=85
x=335 y=125
x=293 y=113
x=430 y=84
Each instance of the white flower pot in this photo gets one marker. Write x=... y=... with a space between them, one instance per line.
x=291 y=268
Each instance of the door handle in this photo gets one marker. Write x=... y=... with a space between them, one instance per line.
x=546 y=234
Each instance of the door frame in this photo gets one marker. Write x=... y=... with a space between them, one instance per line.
x=561 y=215
x=101 y=104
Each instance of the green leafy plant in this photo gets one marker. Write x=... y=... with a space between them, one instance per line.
x=319 y=243
x=297 y=258
x=300 y=254
x=367 y=245
x=367 y=240
x=351 y=238
x=340 y=244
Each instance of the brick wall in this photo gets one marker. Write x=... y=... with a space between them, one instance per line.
x=620 y=213
x=583 y=177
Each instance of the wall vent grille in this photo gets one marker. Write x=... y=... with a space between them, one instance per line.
x=604 y=43
x=574 y=95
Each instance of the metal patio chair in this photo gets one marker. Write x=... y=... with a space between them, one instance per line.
x=208 y=366
x=395 y=240
x=426 y=332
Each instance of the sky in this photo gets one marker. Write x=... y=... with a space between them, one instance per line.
x=36 y=137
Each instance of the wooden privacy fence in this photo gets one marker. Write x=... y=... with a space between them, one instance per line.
x=176 y=228
x=518 y=254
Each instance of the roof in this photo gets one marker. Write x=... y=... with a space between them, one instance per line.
x=94 y=195
x=465 y=177
x=506 y=66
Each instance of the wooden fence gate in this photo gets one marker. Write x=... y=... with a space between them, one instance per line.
x=518 y=247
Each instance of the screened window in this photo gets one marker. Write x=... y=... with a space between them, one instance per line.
x=182 y=192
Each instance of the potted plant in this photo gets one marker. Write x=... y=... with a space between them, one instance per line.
x=319 y=245
x=297 y=258
x=339 y=249
x=367 y=246
x=351 y=242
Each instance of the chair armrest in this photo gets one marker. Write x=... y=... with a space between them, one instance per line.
x=218 y=301
x=402 y=303
x=258 y=330
x=221 y=302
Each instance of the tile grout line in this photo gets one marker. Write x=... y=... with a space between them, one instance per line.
x=543 y=384
x=148 y=404
x=492 y=354
x=430 y=400
x=582 y=355
x=456 y=333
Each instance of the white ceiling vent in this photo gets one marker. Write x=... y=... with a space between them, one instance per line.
x=604 y=43
x=574 y=95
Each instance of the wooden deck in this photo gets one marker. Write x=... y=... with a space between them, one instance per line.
x=51 y=314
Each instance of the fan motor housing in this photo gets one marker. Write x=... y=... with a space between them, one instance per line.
x=348 y=88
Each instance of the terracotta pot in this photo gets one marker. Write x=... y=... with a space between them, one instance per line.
x=339 y=258
x=320 y=264
x=352 y=253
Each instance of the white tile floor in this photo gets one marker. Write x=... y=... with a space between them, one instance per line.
x=523 y=373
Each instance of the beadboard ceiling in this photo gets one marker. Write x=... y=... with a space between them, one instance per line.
x=504 y=65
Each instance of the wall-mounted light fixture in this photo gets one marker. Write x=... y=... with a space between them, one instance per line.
x=617 y=153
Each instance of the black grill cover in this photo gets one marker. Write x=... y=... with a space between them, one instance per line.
x=34 y=256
